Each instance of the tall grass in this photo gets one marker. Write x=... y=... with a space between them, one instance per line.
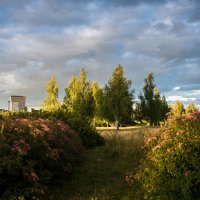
x=102 y=176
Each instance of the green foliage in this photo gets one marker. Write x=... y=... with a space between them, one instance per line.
x=171 y=169
x=35 y=153
x=82 y=104
x=97 y=93
x=79 y=99
x=83 y=126
x=51 y=103
x=164 y=109
x=152 y=107
x=103 y=123
x=104 y=173
x=90 y=137
x=118 y=98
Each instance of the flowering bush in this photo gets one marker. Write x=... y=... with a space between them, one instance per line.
x=171 y=169
x=83 y=125
x=33 y=153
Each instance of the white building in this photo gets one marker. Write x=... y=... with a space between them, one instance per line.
x=17 y=103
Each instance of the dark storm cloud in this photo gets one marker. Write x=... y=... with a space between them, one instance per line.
x=39 y=38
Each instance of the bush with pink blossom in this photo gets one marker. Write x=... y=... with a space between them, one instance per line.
x=171 y=169
x=34 y=153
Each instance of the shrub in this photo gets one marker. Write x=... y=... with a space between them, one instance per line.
x=83 y=125
x=89 y=136
x=171 y=169
x=34 y=153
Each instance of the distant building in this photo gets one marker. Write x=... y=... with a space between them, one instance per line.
x=17 y=103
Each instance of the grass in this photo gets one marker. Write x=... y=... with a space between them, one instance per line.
x=102 y=175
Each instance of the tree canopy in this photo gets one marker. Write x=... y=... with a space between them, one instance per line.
x=191 y=108
x=97 y=94
x=178 y=109
x=79 y=97
x=118 y=98
x=51 y=102
x=152 y=107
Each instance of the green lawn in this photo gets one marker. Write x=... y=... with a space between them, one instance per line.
x=101 y=175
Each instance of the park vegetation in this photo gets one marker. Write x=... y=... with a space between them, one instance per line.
x=33 y=154
x=112 y=103
x=40 y=148
x=171 y=169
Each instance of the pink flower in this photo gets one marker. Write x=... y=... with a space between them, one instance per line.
x=20 y=147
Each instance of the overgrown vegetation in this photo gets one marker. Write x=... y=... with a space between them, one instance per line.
x=39 y=149
x=33 y=154
x=171 y=169
x=105 y=171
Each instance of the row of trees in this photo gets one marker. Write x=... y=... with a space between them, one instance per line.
x=86 y=99
x=152 y=107
x=114 y=102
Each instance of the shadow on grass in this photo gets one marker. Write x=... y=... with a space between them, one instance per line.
x=102 y=175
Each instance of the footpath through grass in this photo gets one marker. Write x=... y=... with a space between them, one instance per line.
x=102 y=175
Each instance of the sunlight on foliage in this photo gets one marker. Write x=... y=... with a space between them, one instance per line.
x=171 y=169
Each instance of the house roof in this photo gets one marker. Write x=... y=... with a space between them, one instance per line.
x=18 y=98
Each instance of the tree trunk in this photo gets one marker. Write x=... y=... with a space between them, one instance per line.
x=117 y=124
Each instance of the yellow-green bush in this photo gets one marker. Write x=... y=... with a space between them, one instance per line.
x=171 y=169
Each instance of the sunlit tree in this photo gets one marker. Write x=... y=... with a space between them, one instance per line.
x=118 y=98
x=51 y=102
x=79 y=97
x=178 y=109
x=191 y=108
x=97 y=93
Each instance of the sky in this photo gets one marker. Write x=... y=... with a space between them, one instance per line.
x=39 y=38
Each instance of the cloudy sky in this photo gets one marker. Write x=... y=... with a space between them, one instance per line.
x=39 y=38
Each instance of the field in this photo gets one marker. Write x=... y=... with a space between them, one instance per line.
x=104 y=170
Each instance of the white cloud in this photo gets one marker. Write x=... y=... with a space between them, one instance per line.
x=184 y=96
x=176 y=88
x=180 y=98
x=8 y=84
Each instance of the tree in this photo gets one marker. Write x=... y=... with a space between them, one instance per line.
x=191 y=108
x=97 y=93
x=51 y=103
x=79 y=99
x=118 y=98
x=178 y=109
x=157 y=107
x=152 y=107
x=147 y=100
x=164 y=108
